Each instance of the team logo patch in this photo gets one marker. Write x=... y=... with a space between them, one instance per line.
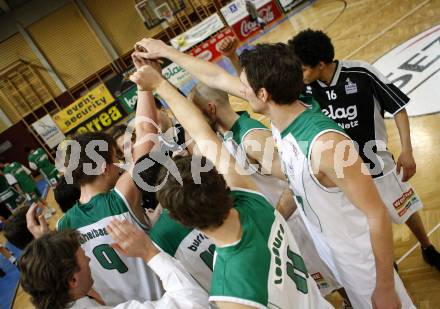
x=403 y=203
x=350 y=87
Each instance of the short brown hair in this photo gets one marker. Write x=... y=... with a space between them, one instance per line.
x=78 y=174
x=201 y=206
x=16 y=231
x=46 y=267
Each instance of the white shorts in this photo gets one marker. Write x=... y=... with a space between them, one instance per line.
x=316 y=267
x=399 y=197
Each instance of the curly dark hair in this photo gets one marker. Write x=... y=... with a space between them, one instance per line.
x=204 y=205
x=275 y=68
x=312 y=46
x=16 y=231
x=66 y=195
x=46 y=267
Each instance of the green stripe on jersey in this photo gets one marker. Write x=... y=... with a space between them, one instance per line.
x=243 y=125
x=308 y=125
x=168 y=234
x=99 y=207
x=242 y=270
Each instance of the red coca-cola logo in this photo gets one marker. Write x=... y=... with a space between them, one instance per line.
x=247 y=26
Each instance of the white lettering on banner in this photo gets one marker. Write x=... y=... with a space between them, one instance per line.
x=414 y=67
x=198 y=33
x=247 y=26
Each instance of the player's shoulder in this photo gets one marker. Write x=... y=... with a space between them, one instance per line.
x=245 y=199
x=244 y=125
x=348 y=65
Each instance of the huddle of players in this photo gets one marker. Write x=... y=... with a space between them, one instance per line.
x=216 y=221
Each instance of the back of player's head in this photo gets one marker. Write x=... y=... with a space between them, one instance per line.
x=202 y=94
x=90 y=145
x=312 y=47
x=66 y=195
x=275 y=68
x=46 y=267
x=16 y=231
x=201 y=205
x=118 y=131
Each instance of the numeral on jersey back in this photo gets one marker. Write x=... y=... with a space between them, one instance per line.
x=297 y=263
x=208 y=256
x=109 y=259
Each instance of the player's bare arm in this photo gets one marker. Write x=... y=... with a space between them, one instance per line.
x=406 y=160
x=230 y=305
x=228 y=48
x=195 y=124
x=205 y=71
x=146 y=118
x=328 y=165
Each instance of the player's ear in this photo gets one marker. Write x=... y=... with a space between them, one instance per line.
x=74 y=282
x=263 y=95
x=321 y=65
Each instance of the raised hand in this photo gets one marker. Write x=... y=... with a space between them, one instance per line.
x=147 y=78
x=131 y=241
x=228 y=46
x=153 y=49
x=35 y=221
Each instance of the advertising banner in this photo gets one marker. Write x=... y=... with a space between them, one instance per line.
x=102 y=120
x=198 y=33
x=48 y=131
x=238 y=18
x=208 y=50
x=287 y=5
x=83 y=108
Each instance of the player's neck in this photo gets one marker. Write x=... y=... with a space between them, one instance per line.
x=89 y=190
x=229 y=232
x=328 y=72
x=226 y=119
x=283 y=115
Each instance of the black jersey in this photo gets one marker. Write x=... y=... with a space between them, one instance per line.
x=356 y=99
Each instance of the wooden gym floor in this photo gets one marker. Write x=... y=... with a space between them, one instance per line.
x=367 y=29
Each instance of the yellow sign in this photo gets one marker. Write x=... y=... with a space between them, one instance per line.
x=83 y=108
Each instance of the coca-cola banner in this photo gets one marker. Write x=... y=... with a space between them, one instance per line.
x=208 y=50
x=238 y=18
x=289 y=4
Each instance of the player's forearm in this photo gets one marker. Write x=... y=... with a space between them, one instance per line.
x=402 y=123
x=235 y=62
x=207 y=72
x=145 y=123
x=382 y=242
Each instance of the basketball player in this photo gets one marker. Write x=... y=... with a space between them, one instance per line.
x=248 y=141
x=55 y=272
x=338 y=202
x=38 y=161
x=256 y=262
x=105 y=195
x=355 y=95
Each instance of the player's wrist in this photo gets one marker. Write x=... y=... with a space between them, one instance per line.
x=150 y=253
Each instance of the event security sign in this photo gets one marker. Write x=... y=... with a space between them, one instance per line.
x=83 y=108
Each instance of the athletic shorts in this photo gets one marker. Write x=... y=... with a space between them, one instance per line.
x=317 y=269
x=399 y=197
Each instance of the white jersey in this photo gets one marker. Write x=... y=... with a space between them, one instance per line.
x=273 y=188
x=189 y=246
x=339 y=230
x=270 y=186
x=116 y=277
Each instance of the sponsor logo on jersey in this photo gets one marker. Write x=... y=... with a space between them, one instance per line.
x=348 y=113
x=92 y=234
x=350 y=87
x=309 y=90
x=197 y=241
x=320 y=281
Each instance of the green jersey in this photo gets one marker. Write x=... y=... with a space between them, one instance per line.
x=7 y=195
x=23 y=177
x=264 y=269
x=189 y=246
x=117 y=277
x=38 y=160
